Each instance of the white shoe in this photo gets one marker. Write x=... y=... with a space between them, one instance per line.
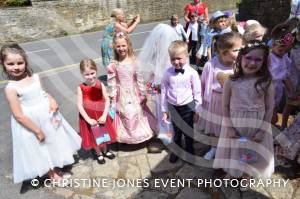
x=210 y=154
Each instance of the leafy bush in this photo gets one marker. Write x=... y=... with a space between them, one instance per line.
x=5 y=3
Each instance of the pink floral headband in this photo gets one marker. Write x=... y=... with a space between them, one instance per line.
x=286 y=40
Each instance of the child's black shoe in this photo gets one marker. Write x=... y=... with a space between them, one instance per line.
x=109 y=155
x=173 y=158
x=100 y=159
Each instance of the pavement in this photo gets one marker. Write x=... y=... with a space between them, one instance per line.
x=137 y=174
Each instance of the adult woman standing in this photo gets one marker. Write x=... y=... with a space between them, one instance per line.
x=198 y=7
x=117 y=24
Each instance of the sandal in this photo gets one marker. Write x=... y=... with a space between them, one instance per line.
x=109 y=155
x=100 y=159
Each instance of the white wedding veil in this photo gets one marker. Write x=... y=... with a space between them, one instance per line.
x=154 y=56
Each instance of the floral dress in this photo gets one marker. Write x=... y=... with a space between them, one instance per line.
x=127 y=89
x=247 y=111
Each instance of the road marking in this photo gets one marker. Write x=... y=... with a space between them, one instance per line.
x=139 y=33
x=132 y=34
x=37 y=51
x=61 y=68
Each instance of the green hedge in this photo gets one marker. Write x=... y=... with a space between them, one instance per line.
x=5 y=3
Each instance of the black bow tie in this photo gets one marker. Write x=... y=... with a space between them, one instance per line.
x=179 y=70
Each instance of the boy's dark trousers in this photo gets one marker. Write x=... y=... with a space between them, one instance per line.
x=193 y=47
x=182 y=121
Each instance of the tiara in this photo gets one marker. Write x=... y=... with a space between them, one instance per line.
x=286 y=40
x=120 y=34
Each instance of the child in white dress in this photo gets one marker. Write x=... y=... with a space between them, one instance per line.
x=42 y=139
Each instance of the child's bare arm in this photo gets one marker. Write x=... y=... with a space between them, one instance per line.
x=15 y=107
x=209 y=53
x=266 y=125
x=128 y=28
x=289 y=87
x=226 y=109
x=81 y=109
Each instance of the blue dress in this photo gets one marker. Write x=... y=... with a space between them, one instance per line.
x=106 y=44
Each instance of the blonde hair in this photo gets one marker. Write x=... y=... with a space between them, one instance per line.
x=250 y=31
x=178 y=47
x=116 y=12
x=226 y=41
x=87 y=63
x=122 y=35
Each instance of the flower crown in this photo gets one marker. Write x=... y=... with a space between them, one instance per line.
x=286 y=40
x=254 y=45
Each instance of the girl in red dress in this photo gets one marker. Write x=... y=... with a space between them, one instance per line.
x=93 y=105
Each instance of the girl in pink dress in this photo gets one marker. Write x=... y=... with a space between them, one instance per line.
x=128 y=93
x=214 y=74
x=245 y=146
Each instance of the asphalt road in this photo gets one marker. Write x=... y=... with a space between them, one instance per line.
x=57 y=62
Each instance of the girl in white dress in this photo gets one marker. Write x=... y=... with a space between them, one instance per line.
x=41 y=142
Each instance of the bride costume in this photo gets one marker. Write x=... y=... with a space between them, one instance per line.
x=154 y=59
x=154 y=56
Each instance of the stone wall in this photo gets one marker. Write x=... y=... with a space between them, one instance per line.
x=267 y=12
x=53 y=18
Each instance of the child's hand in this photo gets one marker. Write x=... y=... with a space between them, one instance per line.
x=232 y=133
x=102 y=119
x=40 y=136
x=165 y=117
x=196 y=118
x=258 y=136
x=222 y=77
x=53 y=105
x=92 y=122
x=143 y=101
x=137 y=18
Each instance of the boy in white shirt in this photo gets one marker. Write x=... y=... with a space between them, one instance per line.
x=193 y=42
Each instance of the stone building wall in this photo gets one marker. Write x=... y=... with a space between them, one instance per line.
x=267 y=12
x=53 y=18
